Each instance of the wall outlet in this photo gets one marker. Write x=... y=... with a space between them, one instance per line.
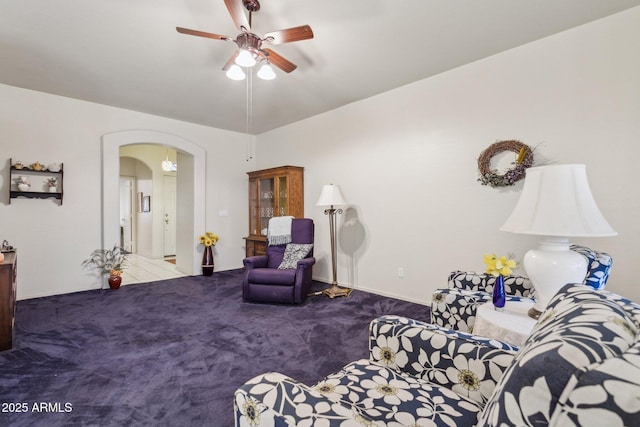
x=400 y=272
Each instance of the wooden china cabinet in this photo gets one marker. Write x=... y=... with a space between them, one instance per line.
x=272 y=192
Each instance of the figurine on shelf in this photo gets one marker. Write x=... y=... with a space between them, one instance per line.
x=23 y=183
x=37 y=166
x=54 y=167
x=52 y=183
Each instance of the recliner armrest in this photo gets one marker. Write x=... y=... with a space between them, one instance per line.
x=469 y=365
x=305 y=263
x=258 y=261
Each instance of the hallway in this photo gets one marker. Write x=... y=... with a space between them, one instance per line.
x=139 y=269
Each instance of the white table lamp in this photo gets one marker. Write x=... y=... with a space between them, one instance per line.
x=556 y=203
x=332 y=196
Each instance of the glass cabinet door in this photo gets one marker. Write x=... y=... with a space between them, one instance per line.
x=267 y=203
x=283 y=196
x=254 y=225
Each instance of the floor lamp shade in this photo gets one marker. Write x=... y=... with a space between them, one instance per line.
x=556 y=203
x=330 y=196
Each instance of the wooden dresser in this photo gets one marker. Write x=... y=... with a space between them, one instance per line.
x=7 y=299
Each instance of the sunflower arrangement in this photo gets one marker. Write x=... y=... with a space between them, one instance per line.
x=209 y=239
x=499 y=266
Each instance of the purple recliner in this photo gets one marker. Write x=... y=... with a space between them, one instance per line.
x=264 y=282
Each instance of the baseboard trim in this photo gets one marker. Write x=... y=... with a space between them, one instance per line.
x=377 y=292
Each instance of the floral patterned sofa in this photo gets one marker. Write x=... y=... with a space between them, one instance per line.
x=579 y=367
x=456 y=306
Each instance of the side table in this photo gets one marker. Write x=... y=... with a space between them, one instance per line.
x=511 y=325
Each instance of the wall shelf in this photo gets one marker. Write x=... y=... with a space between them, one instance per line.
x=40 y=178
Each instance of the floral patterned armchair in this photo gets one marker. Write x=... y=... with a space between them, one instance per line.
x=580 y=366
x=456 y=306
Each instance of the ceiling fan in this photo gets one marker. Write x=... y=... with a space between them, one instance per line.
x=250 y=50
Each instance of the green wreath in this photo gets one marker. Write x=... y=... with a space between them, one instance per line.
x=493 y=178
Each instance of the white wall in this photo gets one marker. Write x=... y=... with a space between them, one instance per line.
x=406 y=159
x=53 y=240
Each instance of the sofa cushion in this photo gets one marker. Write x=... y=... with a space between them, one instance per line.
x=471 y=281
x=293 y=253
x=275 y=254
x=456 y=308
x=383 y=394
x=561 y=372
x=272 y=276
x=599 y=266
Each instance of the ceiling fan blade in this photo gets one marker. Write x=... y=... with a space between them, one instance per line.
x=203 y=34
x=236 y=10
x=231 y=61
x=280 y=62
x=303 y=32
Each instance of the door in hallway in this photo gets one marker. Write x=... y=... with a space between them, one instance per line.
x=126 y=213
x=169 y=202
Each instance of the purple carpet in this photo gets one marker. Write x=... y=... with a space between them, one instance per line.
x=172 y=352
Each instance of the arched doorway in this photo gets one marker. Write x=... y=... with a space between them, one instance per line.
x=190 y=190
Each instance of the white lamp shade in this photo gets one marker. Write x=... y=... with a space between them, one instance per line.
x=330 y=196
x=556 y=201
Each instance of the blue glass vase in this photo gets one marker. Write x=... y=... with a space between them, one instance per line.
x=499 y=297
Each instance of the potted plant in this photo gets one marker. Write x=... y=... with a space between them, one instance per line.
x=108 y=261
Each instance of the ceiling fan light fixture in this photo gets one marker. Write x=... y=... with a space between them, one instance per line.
x=250 y=50
x=245 y=58
x=235 y=73
x=266 y=72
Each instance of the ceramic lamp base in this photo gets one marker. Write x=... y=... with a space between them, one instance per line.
x=550 y=266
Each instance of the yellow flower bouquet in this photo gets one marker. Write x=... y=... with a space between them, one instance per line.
x=209 y=239
x=499 y=266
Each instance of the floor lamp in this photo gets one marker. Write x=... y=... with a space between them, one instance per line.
x=331 y=196
x=556 y=203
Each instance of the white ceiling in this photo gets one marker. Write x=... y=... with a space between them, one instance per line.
x=127 y=53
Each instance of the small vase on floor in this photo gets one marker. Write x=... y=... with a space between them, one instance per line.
x=207 y=261
x=499 y=297
x=115 y=281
